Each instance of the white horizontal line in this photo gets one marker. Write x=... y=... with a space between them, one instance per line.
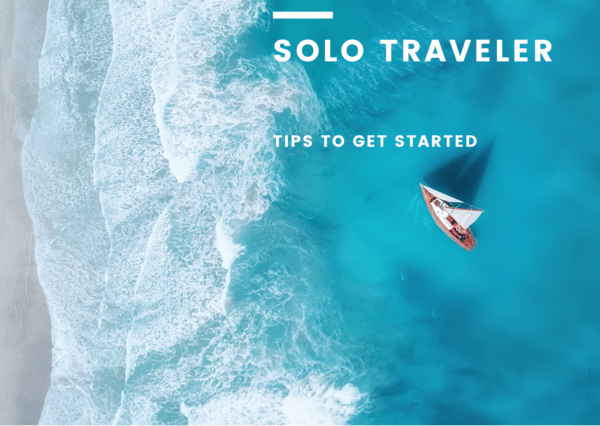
x=302 y=15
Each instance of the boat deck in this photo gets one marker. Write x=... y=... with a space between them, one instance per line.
x=468 y=243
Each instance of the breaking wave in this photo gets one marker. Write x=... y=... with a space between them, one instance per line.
x=179 y=288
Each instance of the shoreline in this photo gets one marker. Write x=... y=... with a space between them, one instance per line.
x=25 y=340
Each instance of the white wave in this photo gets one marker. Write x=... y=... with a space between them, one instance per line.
x=310 y=402
x=320 y=404
x=71 y=240
x=183 y=160
x=229 y=251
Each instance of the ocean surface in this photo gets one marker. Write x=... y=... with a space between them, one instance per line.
x=197 y=274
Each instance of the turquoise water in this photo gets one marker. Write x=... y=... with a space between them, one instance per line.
x=508 y=333
x=197 y=274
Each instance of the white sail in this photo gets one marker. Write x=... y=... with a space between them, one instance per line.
x=465 y=217
x=442 y=196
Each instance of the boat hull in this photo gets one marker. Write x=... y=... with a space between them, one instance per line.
x=468 y=243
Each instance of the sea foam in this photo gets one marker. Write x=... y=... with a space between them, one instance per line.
x=170 y=316
x=229 y=251
x=71 y=239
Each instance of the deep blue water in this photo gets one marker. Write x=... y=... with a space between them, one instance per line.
x=197 y=274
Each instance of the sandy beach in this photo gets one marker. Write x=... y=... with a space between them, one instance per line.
x=25 y=341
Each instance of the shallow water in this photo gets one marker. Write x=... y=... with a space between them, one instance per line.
x=196 y=273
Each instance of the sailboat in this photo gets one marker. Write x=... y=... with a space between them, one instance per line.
x=453 y=216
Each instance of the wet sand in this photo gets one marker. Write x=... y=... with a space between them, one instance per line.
x=25 y=342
